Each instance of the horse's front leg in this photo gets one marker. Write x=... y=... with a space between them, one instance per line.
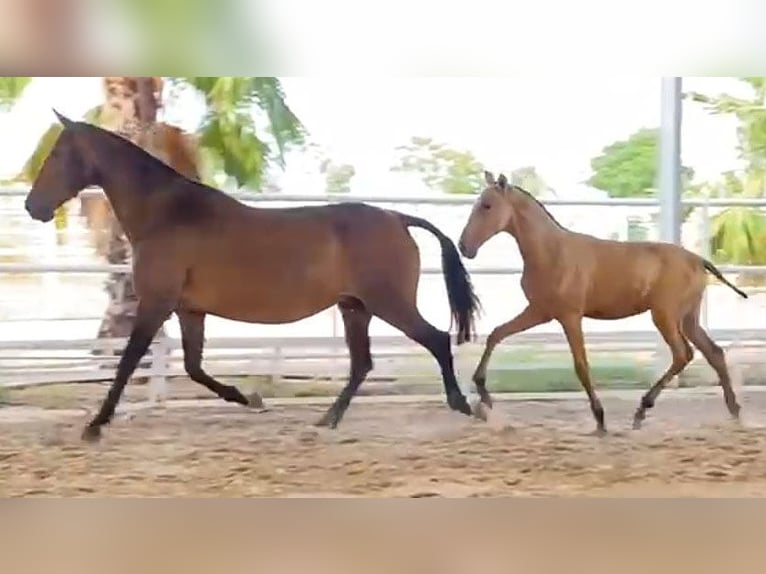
x=528 y=318
x=149 y=318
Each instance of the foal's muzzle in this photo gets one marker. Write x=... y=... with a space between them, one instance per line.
x=464 y=251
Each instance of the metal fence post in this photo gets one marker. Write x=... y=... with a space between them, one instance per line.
x=669 y=180
x=158 y=384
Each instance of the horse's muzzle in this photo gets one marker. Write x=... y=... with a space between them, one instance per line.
x=37 y=212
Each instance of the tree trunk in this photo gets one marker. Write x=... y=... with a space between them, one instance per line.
x=131 y=110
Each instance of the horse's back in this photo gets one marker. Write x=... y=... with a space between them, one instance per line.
x=268 y=265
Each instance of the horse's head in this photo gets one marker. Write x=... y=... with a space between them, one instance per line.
x=491 y=214
x=64 y=174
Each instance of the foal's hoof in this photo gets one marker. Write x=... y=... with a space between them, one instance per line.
x=599 y=433
x=481 y=410
x=91 y=434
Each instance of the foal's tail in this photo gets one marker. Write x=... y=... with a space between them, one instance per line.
x=463 y=302
x=714 y=270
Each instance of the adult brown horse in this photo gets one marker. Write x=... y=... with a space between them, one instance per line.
x=198 y=251
x=568 y=276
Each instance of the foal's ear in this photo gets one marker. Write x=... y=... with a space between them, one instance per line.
x=66 y=122
x=489 y=178
x=502 y=181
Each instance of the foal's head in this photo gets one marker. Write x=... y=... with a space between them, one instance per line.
x=491 y=214
x=64 y=174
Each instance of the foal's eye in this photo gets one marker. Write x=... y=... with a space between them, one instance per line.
x=485 y=206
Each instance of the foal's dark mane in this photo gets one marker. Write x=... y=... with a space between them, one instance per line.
x=537 y=201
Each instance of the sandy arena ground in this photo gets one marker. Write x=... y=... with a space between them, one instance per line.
x=687 y=448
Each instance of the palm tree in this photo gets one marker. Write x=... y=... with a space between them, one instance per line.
x=738 y=234
x=227 y=142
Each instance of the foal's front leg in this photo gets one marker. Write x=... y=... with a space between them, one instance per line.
x=528 y=318
x=573 y=330
x=149 y=318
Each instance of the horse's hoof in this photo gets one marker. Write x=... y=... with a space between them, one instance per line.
x=255 y=401
x=328 y=420
x=91 y=434
x=598 y=433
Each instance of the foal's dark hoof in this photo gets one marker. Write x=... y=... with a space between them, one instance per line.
x=481 y=410
x=91 y=434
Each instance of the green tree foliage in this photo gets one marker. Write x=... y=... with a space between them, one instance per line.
x=738 y=234
x=440 y=167
x=337 y=176
x=231 y=137
x=10 y=90
x=628 y=168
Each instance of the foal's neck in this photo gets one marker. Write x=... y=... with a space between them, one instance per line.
x=537 y=235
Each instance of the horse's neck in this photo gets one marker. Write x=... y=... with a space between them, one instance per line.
x=128 y=191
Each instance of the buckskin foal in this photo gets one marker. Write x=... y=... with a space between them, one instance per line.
x=568 y=276
x=198 y=251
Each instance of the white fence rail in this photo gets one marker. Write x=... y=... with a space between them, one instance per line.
x=52 y=361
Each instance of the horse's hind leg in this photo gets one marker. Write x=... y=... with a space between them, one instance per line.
x=406 y=317
x=715 y=357
x=356 y=321
x=193 y=339
x=668 y=326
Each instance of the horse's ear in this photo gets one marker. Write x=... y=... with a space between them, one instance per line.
x=502 y=181
x=65 y=121
x=489 y=178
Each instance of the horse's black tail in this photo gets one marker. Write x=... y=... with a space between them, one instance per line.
x=463 y=301
x=714 y=270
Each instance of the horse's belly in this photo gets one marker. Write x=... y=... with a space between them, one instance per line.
x=259 y=299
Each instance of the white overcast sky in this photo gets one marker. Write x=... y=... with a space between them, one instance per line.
x=554 y=122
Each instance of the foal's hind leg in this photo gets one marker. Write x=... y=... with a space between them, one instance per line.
x=406 y=317
x=356 y=320
x=669 y=328
x=714 y=355
x=193 y=339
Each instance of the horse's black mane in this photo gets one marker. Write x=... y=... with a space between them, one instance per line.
x=143 y=158
x=537 y=201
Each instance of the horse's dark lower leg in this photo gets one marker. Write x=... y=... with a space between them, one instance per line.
x=407 y=319
x=573 y=331
x=193 y=339
x=681 y=352
x=356 y=321
x=148 y=321
x=715 y=357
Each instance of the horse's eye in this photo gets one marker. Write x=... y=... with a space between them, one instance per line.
x=485 y=206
